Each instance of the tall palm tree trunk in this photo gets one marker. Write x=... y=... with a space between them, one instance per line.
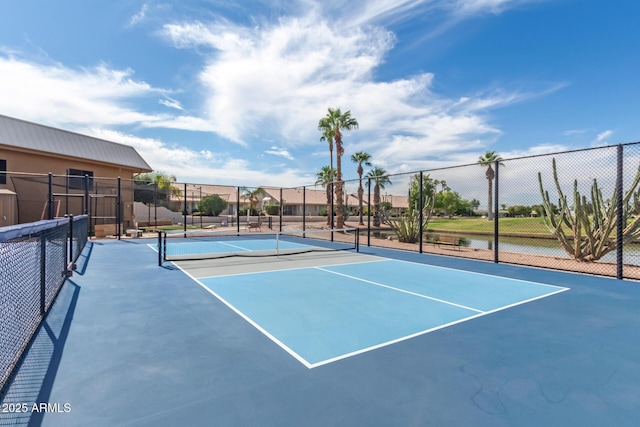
x=376 y=205
x=339 y=189
x=360 y=192
x=490 y=174
x=330 y=187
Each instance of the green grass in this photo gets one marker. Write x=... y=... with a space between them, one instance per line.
x=506 y=225
x=176 y=227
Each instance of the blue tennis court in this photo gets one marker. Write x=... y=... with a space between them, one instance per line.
x=325 y=313
x=377 y=338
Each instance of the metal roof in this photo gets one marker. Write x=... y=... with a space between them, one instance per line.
x=32 y=136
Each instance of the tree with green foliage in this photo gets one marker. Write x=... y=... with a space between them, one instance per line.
x=155 y=186
x=429 y=188
x=212 y=205
x=449 y=201
x=254 y=198
x=487 y=161
x=361 y=158
x=380 y=178
x=335 y=122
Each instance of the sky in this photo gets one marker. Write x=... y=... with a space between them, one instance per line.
x=230 y=92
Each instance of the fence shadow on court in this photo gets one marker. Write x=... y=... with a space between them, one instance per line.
x=34 y=378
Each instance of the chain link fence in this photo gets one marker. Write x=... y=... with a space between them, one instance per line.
x=35 y=264
x=575 y=210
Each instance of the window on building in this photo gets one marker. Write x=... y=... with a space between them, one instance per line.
x=76 y=178
x=3 y=170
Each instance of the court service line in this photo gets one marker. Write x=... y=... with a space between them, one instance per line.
x=401 y=290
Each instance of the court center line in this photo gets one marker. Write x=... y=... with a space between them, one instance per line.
x=402 y=290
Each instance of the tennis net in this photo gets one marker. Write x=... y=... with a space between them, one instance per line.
x=178 y=246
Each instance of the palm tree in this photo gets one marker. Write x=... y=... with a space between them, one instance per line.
x=488 y=159
x=379 y=176
x=333 y=123
x=324 y=178
x=361 y=158
x=253 y=196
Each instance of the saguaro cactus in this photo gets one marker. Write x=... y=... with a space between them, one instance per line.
x=591 y=235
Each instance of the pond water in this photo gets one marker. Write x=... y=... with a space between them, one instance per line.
x=547 y=247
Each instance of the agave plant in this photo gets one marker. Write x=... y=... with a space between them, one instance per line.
x=407 y=228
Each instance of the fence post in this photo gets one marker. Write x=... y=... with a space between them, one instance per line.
x=421 y=215
x=43 y=271
x=238 y=210
x=369 y=212
x=184 y=211
x=281 y=210
x=50 y=201
x=620 y=217
x=304 y=210
x=496 y=214
x=119 y=211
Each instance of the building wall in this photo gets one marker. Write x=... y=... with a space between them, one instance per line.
x=31 y=185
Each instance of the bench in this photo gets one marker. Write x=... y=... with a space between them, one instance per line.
x=133 y=233
x=448 y=240
x=253 y=226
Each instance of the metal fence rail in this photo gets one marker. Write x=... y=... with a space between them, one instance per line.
x=35 y=259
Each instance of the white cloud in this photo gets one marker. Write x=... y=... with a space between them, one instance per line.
x=273 y=81
x=140 y=16
x=601 y=139
x=467 y=7
x=204 y=166
x=46 y=93
x=277 y=151
x=171 y=103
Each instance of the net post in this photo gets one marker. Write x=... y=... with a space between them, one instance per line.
x=357 y=239
x=70 y=262
x=159 y=248
x=164 y=247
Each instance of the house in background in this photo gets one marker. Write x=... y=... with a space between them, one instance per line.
x=30 y=151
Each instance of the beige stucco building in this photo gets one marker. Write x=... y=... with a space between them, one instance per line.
x=29 y=152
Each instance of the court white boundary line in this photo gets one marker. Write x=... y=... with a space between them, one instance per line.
x=400 y=290
x=310 y=365
x=249 y=320
x=417 y=334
